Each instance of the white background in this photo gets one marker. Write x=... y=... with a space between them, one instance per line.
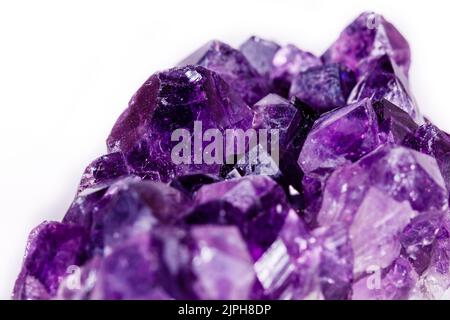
x=67 y=70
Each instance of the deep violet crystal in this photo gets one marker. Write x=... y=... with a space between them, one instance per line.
x=355 y=206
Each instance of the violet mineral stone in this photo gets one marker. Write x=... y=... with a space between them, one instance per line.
x=324 y=87
x=340 y=136
x=259 y=208
x=354 y=205
x=385 y=81
x=52 y=248
x=260 y=53
x=288 y=62
x=233 y=67
x=275 y=112
x=170 y=100
x=366 y=38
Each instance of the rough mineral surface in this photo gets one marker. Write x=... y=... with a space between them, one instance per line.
x=355 y=206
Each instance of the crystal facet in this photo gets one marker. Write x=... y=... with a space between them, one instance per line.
x=172 y=100
x=366 y=38
x=233 y=67
x=324 y=87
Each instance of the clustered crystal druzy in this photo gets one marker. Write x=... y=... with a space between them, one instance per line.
x=356 y=207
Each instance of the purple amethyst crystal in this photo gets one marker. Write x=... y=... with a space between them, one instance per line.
x=288 y=62
x=127 y=208
x=385 y=81
x=292 y=120
x=401 y=173
x=233 y=67
x=324 y=87
x=52 y=249
x=173 y=263
x=104 y=170
x=430 y=140
x=381 y=197
x=434 y=283
x=394 y=283
x=366 y=38
x=172 y=100
x=354 y=205
x=256 y=203
x=274 y=112
x=340 y=136
x=394 y=123
x=299 y=265
x=260 y=53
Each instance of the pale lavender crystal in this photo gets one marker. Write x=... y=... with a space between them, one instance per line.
x=401 y=173
x=221 y=255
x=340 y=136
x=366 y=38
x=376 y=230
x=173 y=263
x=380 y=198
x=384 y=80
x=323 y=87
x=260 y=53
x=394 y=123
x=233 y=67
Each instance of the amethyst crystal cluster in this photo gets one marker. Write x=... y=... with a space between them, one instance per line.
x=356 y=207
